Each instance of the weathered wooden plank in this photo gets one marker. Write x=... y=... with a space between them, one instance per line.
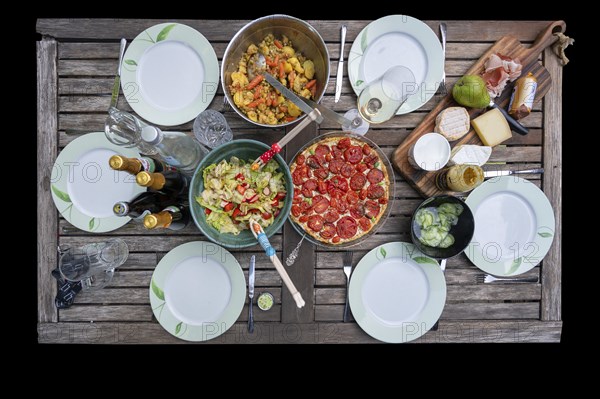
x=215 y=30
x=336 y=277
x=107 y=67
x=552 y=183
x=126 y=296
x=465 y=331
x=141 y=278
x=137 y=261
x=95 y=50
x=133 y=228
x=478 y=292
x=99 y=313
x=106 y=313
x=120 y=296
x=47 y=217
x=456 y=311
x=151 y=243
x=302 y=272
x=503 y=153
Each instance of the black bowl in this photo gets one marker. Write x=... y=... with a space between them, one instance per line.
x=462 y=231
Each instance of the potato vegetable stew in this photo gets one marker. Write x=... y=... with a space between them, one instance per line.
x=256 y=98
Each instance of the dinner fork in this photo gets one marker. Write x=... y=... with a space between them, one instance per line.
x=488 y=278
x=347 y=271
x=226 y=105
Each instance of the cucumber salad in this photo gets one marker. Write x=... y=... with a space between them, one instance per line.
x=433 y=224
x=233 y=194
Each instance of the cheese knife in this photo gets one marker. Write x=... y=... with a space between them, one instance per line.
x=514 y=124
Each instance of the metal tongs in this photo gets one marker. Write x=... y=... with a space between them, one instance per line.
x=260 y=235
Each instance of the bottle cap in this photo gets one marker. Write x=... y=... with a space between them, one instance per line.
x=150 y=221
x=151 y=135
x=144 y=179
x=121 y=208
x=116 y=162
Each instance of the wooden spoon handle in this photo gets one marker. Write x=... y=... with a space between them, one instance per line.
x=546 y=38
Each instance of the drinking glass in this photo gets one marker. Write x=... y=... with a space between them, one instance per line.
x=93 y=264
x=211 y=129
x=382 y=98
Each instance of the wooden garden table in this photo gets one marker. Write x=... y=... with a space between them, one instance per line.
x=76 y=63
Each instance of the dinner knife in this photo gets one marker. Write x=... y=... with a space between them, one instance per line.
x=306 y=104
x=251 y=294
x=497 y=173
x=117 y=84
x=328 y=113
x=340 y=69
x=287 y=93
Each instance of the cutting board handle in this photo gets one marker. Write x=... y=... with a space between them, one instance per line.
x=546 y=37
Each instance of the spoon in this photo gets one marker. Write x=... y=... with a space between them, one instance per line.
x=259 y=65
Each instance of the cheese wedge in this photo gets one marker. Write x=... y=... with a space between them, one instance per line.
x=492 y=127
x=470 y=154
x=452 y=123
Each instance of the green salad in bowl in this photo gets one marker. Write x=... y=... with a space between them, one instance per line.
x=233 y=194
x=225 y=194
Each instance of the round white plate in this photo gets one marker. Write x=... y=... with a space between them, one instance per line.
x=169 y=74
x=197 y=291
x=85 y=188
x=514 y=226
x=397 y=40
x=396 y=293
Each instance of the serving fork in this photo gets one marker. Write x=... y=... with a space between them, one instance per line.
x=347 y=271
x=488 y=278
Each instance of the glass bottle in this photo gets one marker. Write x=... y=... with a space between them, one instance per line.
x=461 y=178
x=172 y=218
x=168 y=182
x=125 y=129
x=176 y=148
x=145 y=203
x=137 y=165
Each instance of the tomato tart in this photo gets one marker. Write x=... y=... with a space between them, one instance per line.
x=341 y=188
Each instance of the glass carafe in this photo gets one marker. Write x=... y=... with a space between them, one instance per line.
x=93 y=264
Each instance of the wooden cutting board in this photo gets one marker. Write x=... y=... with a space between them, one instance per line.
x=424 y=181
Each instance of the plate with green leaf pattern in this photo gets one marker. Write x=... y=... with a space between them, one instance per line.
x=169 y=74
x=514 y=226
x=397 y=40
x=397 y=293
x=85 y=188
x=197 y=291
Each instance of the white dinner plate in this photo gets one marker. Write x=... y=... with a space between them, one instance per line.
x=396 y=293
x=397 y=40
x=514 y=226
x=85 y=188
x=169 y=74
x=197 y=291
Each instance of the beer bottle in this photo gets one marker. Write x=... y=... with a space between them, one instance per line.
x=167 y=182
x=172 y=218
x=145 y=203
x=137 y=165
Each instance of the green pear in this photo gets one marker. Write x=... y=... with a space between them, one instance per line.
x=470 y=91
